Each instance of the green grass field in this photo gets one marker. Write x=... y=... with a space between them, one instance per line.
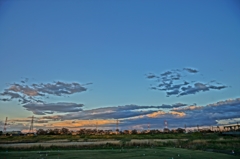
x=118 y=137
x=136 y=153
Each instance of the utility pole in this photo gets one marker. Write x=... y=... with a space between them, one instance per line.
x=5 y=125
x=97 y=126
x=166 y=124
x=31 y=126
x=117 y=124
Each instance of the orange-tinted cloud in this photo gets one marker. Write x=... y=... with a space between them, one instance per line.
x=156 y=114
x=192 y=107
x=81 y=123
x=160 y=113
x=179 y=114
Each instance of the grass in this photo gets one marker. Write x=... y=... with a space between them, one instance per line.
x=135 y=153
x=194 y=142
x=38 y=138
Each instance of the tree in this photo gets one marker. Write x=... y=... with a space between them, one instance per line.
x=153 y=131
x=50 y=132
x=82 y=131
x=126 y=131
x=180 y=130
x=56 y=131
x=134 y=131
x=64 y=131
x=41 y=132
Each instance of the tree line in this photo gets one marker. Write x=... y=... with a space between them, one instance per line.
x=65 y=131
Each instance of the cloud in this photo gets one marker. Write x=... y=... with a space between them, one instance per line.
x=156 y=114
x=177 y=115
x=190 y=70
x=176 y=105
x=59 y=88
x=118 y=112
x=106 y=115
x=166 y=106
x=191 y=107
x=36 y=92
x=51 y=118
x=82 y=123
x=151 y=76
x=5 y=99
x=180 y=114
x=24 y=89
x=192 y=116
x=231 y=102
x=198 y=87
x=174 y=92
x=12 y=95
x=164 y=114
x=173 y=84
x=50 y=108
x=217 y=87
x=121 y=108
x=194 y=89
x=222 y=110
x=228 y=121
x=166 y=73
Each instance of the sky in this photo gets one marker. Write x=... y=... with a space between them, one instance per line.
x=78 y=64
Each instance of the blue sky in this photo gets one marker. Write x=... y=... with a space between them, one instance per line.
x=114 y=45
